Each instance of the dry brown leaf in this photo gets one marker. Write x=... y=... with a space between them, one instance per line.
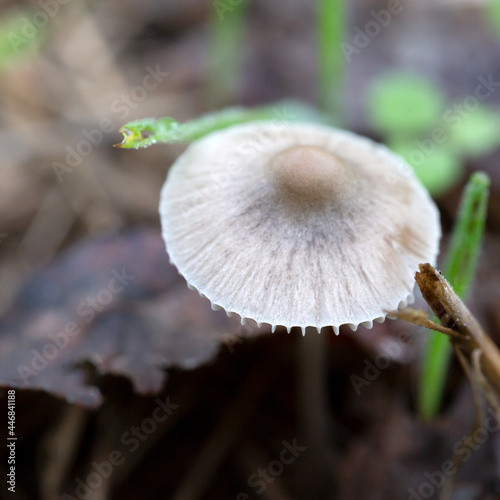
x=115 y=302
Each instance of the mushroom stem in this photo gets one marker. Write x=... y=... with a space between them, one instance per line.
x=313 y=411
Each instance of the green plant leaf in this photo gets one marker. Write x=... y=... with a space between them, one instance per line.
x=477 y=134
x=14 y=44
x=330 y=33
x=225 y=51
x=438 y=170
x=402 y=104
x=492 y=12
x=468 y=234
x=148 y=131
x=460 y=269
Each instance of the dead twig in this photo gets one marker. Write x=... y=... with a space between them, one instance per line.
x=480 y=352
x=421 y=318
x=476 y=352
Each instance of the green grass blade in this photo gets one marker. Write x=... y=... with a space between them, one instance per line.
x=460 y=270
x=227 y=24
x=148 y=131
x=468 y=235
x=436 y=359
x=331 y=25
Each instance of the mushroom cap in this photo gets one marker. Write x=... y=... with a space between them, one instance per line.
x=298 y=224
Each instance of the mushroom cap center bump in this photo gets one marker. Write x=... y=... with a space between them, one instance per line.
x=311 y=175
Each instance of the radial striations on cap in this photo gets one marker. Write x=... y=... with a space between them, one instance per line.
x=298 y=224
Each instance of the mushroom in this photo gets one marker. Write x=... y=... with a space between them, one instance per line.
x=298 y=224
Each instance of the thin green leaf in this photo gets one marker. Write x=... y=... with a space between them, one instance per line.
x=148 y=131
x=468 y=234
x=460 y=270
x=227 y=25
x=331 y=26
x=492 y=11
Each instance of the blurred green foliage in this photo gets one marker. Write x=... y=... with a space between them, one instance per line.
x=478 y=133
x=330 y=33
x=410 y=112
x=493 y=15
x=404 y=105
x=437 y=171
x=19 y=37
x=225 y=52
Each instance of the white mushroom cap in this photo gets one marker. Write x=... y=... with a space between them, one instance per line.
x=298 y=224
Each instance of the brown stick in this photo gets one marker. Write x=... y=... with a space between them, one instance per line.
x=477 y=353
x=454 y=315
